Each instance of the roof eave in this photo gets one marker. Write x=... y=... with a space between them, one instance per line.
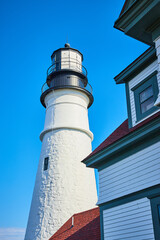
x=123 y=14
x=137 y=20
x=142 y=133
x=136 y=66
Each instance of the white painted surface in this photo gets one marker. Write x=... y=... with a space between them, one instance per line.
x=132 y=83
x=157 y=46
x=67 y=187
x=130 y=221
x=66 y=109
x=134 y=173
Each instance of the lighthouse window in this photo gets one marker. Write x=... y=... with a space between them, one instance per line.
x=46 y=163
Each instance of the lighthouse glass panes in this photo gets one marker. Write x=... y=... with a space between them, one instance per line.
x=46 y=163
x=57 y=61
x=53 y=65
x=146 y=99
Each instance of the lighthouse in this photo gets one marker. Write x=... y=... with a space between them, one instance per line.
x=64 y=186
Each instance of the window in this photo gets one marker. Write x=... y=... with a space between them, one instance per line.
x=46 y=163
x=145 y=95
x=58 y=61
x=159 y=211
x=146 y=99
x=155 y=206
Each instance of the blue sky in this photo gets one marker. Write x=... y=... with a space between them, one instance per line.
x=30 y=32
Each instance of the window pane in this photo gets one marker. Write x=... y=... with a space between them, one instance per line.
x=46 y=163
x=147 y=93
x=145 y=106
x=159 y=211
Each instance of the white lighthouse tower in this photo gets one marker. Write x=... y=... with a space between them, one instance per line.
x=64 y=185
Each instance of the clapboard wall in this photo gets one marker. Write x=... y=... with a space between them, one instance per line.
x=131 y=221
x=134 y=173
x=136 y=80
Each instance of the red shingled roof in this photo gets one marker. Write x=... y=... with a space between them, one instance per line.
x=86 y=226
x=121 y=132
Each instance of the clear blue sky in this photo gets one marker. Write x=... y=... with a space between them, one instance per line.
x=30 y=32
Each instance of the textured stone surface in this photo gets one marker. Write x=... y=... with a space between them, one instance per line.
x=67 y=187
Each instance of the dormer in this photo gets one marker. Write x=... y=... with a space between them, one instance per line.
x=140 y=19
x=140 y=79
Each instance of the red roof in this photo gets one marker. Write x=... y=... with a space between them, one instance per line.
x=86 y=226
x=121 y=132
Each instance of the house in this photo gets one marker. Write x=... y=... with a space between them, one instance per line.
x=84 y=225
x=128 y=161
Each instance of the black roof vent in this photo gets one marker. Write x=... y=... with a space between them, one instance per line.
x=67 y=45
